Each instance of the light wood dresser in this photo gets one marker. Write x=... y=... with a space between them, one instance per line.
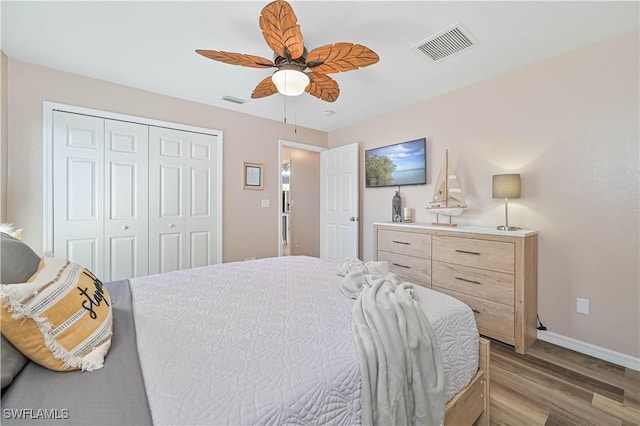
x=494 y=272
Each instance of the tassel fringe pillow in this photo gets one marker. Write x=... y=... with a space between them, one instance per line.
x=61 y=318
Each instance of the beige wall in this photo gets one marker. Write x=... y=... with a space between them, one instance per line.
x=569 y=125
x=246 y=138
x=4 y=147
x=305 y=202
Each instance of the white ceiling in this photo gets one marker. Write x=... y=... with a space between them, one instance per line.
x=150 y=45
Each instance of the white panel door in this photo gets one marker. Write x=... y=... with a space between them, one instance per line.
x=126 y=200
x=202 y=211
x=339 y=202
x=167 y=220
x=182 y=199
x=78 y=203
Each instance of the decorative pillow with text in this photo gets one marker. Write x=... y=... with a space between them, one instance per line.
x=61 y=318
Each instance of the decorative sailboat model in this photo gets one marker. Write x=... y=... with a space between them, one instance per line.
x=447 y=197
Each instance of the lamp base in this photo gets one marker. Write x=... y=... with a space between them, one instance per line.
x=507 y=228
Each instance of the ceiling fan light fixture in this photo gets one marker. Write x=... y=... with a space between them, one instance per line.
x=291 y=58
x=290 y=82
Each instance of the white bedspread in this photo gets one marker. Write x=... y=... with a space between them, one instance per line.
x=269 y=342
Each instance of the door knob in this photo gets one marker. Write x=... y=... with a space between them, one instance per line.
x=125 y=227
x=171 y=225
x=353 y=218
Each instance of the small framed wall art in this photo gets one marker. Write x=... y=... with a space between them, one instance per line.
x=252 y=176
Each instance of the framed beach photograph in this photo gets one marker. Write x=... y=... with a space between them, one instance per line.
x=252 y=176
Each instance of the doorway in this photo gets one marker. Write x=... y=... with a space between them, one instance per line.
x=286 y=203
x=299 y=206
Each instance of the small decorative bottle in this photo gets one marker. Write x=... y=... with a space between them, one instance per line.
x=396 y=215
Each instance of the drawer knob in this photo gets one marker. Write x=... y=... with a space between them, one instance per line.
x=475 y=253
x=468 y=280
x=402 y=242
x=401 y=266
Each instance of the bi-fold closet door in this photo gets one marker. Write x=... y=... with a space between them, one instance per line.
x=182 y=205
x=131 y=199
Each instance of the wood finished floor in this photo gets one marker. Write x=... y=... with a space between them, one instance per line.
x=551 y=385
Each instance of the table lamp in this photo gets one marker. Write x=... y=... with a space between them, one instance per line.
x=506 y=186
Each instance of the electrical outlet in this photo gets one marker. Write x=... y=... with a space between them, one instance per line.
x=582 y=306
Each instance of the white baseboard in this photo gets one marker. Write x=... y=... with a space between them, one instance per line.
x=591 y=350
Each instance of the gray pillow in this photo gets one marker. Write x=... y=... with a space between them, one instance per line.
x=12 y=362
x=18 y=261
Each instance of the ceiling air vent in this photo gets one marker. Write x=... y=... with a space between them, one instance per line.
x=446 y=43
x=234 y=100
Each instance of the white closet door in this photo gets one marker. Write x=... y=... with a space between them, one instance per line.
x=78 y=190
x=126 y=200
x=202 y=208
x=182 y=199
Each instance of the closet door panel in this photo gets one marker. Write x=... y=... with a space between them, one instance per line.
x=167 y=200
x=171 y=193
x=200 y=249
x=171 y=250
x=126 y=199
x=200 y=192
x=183 y=199
x=78 y=176
x=85 y=252
x=123 y=257
x=202 y=215
x=81 y=186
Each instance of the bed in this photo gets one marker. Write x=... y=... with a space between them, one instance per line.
x=266 y=341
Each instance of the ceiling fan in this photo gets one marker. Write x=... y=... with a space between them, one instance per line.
x=297 y=69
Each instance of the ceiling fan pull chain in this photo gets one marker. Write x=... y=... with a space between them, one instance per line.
x=285 y=109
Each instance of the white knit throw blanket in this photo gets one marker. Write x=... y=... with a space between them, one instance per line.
x=400 y=362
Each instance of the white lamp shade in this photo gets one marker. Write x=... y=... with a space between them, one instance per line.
x=506 y=186
x=290 y=82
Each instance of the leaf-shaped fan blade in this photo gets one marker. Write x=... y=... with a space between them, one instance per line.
x=237 y=58
x=323 y=87
x=340 y=57
x=281 y=30
x=264 y=88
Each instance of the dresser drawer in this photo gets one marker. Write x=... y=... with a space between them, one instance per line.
x=491 y=255
x=409 y=243
x=493 y=319
x=490 y=285
x=412 y=269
